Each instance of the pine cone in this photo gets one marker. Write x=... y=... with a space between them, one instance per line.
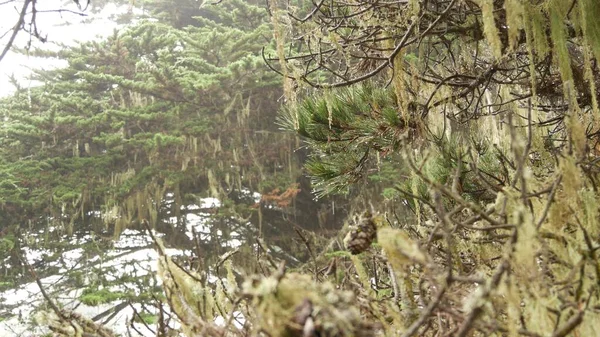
x=362 y=235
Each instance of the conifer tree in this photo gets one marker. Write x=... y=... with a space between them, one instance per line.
x=150 y=111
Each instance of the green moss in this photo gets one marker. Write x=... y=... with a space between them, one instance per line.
x=338 y=253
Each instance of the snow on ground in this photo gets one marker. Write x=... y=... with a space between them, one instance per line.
x=28 y=297
x=130 y=256
x=198 y=222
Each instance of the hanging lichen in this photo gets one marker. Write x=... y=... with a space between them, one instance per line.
x=489 y=27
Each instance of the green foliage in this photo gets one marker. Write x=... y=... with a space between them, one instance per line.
x=7 y=243
x=4 y=285
x=345 y=128
x=182 y=110
x=95 y=297
x=140 y=111
x=148 y=318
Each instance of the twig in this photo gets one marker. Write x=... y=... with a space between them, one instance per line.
x=571 y=324
x=412 y=330
x=486 y=292
x=16 y=28
x=312 y=255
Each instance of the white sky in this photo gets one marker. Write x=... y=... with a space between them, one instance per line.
x=67 y=28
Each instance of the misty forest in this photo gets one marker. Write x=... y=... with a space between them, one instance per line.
x=324 y=168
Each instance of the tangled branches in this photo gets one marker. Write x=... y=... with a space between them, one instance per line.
x=462 y=59
x=27 y=21
x=499 y=99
